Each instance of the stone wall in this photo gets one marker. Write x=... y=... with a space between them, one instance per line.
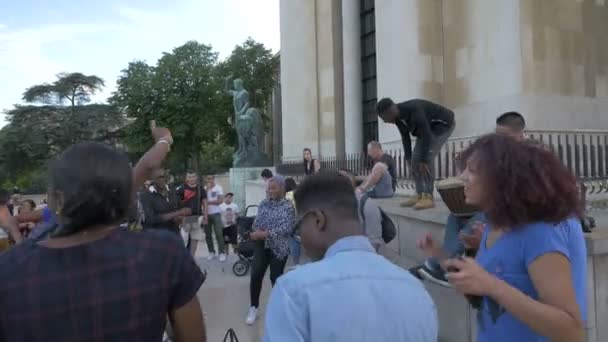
x=545 y=58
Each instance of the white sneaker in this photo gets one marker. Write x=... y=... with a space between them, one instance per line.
x=252 y=315
x=222 y=257
x=211 y=257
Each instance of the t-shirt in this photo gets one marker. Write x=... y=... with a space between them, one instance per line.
x=118 y=288
x=214 y=194
x=509 y=259
x=187 y=198
x=390 y=163
x=229 y=213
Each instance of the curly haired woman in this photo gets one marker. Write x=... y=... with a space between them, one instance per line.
x=530 y=269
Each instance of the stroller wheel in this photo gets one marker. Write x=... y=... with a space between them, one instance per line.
x=240 y=268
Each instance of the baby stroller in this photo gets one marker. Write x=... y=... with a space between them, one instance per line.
x=246 y=246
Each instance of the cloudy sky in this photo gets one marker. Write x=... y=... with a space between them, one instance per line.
x=40 y=38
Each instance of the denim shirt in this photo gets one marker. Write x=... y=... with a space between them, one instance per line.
x=352 y=295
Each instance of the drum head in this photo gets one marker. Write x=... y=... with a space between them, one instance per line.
x=449 y=183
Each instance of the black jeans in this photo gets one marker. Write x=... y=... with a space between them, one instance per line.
x=262 y=258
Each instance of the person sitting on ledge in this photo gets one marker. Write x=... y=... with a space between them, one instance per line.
x=382 y=181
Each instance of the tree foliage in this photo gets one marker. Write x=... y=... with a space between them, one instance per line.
x=76 y=88
x=36 y=133
x=183 y=92
x=179 y=92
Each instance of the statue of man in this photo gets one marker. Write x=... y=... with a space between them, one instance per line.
x=249 y=126
x=240 y=98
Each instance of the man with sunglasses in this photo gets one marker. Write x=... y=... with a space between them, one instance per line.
x=160 y=206
x=349 y=292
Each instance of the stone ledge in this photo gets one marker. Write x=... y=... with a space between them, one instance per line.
x=597 y=241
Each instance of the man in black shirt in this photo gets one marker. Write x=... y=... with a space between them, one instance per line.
x=192 y=195
x=432 y=125
x=160 y=206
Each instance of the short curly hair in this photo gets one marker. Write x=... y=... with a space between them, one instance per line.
x=523 y=183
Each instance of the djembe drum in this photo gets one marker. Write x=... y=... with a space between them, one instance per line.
x=451 y=191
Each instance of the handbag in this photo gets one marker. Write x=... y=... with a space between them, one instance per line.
x=230 y=336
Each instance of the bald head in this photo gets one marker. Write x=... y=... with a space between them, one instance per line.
x=374 y=150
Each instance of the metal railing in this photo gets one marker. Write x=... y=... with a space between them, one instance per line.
x=585 y=152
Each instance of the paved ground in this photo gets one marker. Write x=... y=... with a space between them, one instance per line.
x=224 y=298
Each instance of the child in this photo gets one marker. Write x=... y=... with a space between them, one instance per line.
x=230 y=211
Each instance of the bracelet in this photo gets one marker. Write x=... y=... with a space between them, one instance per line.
x=163 y=141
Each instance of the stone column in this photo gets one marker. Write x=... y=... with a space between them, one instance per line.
x=351 y=45
x=409 y=55
x=299 y=77
x=330 y=77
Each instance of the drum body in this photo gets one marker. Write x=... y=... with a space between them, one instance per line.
x=451 y=191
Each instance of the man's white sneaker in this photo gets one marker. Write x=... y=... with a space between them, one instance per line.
x=222 y=257
x=211 y=257
x=252 y=315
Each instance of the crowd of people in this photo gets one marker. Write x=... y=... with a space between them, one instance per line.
x=78 y=272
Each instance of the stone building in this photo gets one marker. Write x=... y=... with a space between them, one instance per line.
x=545 y=58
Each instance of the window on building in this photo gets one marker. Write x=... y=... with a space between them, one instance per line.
x=368 y=72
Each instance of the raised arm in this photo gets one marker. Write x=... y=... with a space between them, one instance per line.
x=153 y=159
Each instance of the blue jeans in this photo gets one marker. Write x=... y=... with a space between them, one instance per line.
x=374 y=194
x=425 y=182
x=294 y=247
x=452 y=245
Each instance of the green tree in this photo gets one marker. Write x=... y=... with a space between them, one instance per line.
x=75 y=87
x=181 y=92
x=35 y=133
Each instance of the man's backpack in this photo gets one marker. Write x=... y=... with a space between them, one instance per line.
x=389 y=231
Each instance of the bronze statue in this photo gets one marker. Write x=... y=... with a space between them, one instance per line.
x=249 y=127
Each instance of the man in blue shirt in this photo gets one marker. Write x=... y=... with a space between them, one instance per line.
x=350 y=293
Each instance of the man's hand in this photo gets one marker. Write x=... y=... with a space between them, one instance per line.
x=159 y=133
x=185 y=212
x=205 y=220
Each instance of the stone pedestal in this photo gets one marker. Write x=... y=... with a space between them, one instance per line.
x=238 y=180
